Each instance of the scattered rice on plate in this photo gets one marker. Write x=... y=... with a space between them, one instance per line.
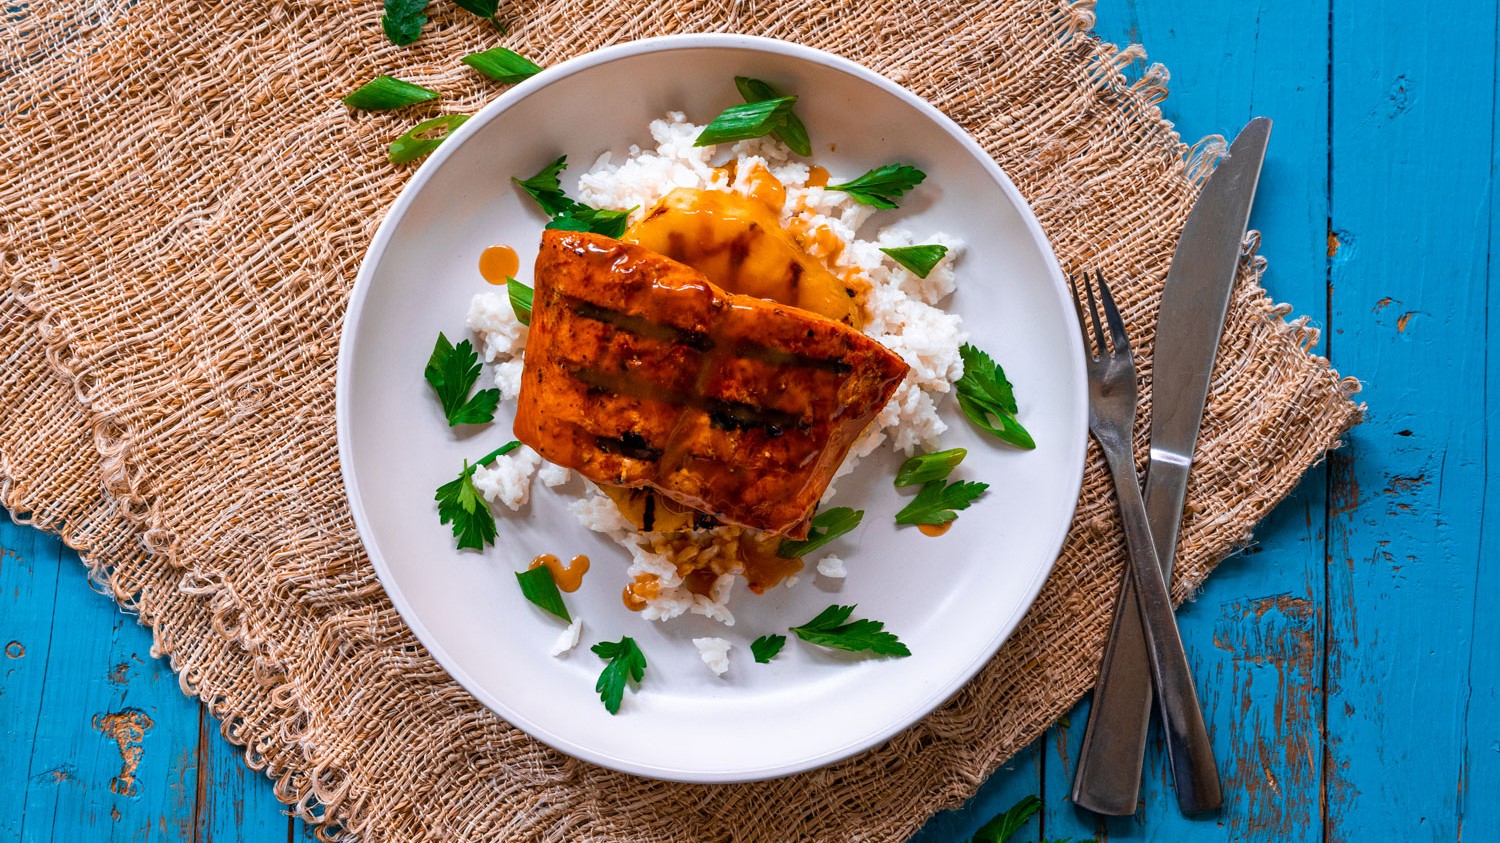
x=900 y=311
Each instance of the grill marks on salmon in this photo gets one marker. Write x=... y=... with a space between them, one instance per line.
x=642 y=373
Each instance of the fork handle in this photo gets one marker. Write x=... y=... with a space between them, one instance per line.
x=1190 y=754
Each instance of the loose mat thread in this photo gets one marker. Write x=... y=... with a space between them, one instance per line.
x=185 y=207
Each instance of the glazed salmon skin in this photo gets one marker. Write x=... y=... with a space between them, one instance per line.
x=639 y=372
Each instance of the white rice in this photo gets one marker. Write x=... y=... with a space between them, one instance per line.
x=507 y=480
x=900 y=308
x=715 y=654
x=832 y=567
x=568 y=639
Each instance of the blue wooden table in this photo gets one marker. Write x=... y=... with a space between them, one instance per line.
x=1349 y=661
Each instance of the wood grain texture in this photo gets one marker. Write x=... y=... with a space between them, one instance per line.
x=1348 y=661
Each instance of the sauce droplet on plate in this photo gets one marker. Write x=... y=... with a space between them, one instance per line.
x=499 y=264
x=568 y=577
x=934 y=529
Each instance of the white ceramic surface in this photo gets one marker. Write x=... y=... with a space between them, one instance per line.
x=953 y=599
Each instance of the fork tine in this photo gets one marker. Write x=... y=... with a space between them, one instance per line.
x=1112 y=314
x=1104 y=345
x=1083 y=324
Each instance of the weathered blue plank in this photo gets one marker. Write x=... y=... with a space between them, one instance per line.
x=1018 y=778
x=1412 y=142
x=234 y=803
x=1479 y=778
x=28 y=590
x=112 y=756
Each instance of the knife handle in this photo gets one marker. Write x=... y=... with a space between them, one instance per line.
x=1108 y=778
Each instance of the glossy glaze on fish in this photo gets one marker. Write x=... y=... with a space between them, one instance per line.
x=641 y=373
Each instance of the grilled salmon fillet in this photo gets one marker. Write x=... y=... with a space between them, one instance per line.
x=641 y=373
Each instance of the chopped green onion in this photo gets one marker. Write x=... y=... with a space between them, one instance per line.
x=414 y=144
x=826 y=526
x=742 y=122
x=520 y=300
x=540 y=588
x=384 y=93
x=791 y=132
x=919 y=259
x=502 y=65
x=924 y=467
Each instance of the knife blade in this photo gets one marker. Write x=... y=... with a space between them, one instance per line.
x=1194 y=303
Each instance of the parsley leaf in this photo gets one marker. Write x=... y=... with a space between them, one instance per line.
x=546 y=188
x=750 y=120
x=461 y=505
x=924 y=467
x=826 y=526
x=882 y=186
x=792 y=131
x=626 y=661
x=384 y=93
x=599 y=221
x=567 y=215
x=403 y=20
x=424 y=138
x=503 y=65
x=538 y=586
x=919 y=259
x=832 y=628
x=766 y=647
x=520 y=300
x=938 y=503
x=452 y=371
x=1003 y=827
x=984 y=392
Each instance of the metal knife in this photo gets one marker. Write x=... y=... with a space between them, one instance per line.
x=1193 y=305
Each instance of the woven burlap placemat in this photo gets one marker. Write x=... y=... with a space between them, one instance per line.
x=185 y=206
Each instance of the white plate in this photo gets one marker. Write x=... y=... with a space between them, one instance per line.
x=953 y=599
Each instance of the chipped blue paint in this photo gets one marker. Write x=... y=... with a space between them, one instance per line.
x=1351 y=686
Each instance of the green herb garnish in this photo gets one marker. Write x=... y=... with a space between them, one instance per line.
x=924 y=467
x=546 y=188
x=791 y=132
x=384 y=93
x=983 y=392
x=919 y=259
x=832 y=628
x=502 y=65
x=766 y=647
x=540 y=588
x=452 y=371
x=567 y=215
x=483 y=8
x=520 y=300
x=597 y=220
x=419 y=139
x=626 y=661
x=1003 y=827
x=403 y=20
x=743 y=122
x=461 y=505
x=826 y=526
x=939 y=502
x=882 y=186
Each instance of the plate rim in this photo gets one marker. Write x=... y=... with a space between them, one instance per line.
x=348 y=338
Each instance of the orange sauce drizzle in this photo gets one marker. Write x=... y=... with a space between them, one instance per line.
x=498 y=264
x=568 y=577
x=817 y=177
x=637 y=593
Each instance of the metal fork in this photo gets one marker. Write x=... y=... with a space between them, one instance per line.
x=1112 y=409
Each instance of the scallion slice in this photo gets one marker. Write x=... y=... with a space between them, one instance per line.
x=924 y=467
x=384 y=93
x=418 y=141
x=503 y=65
